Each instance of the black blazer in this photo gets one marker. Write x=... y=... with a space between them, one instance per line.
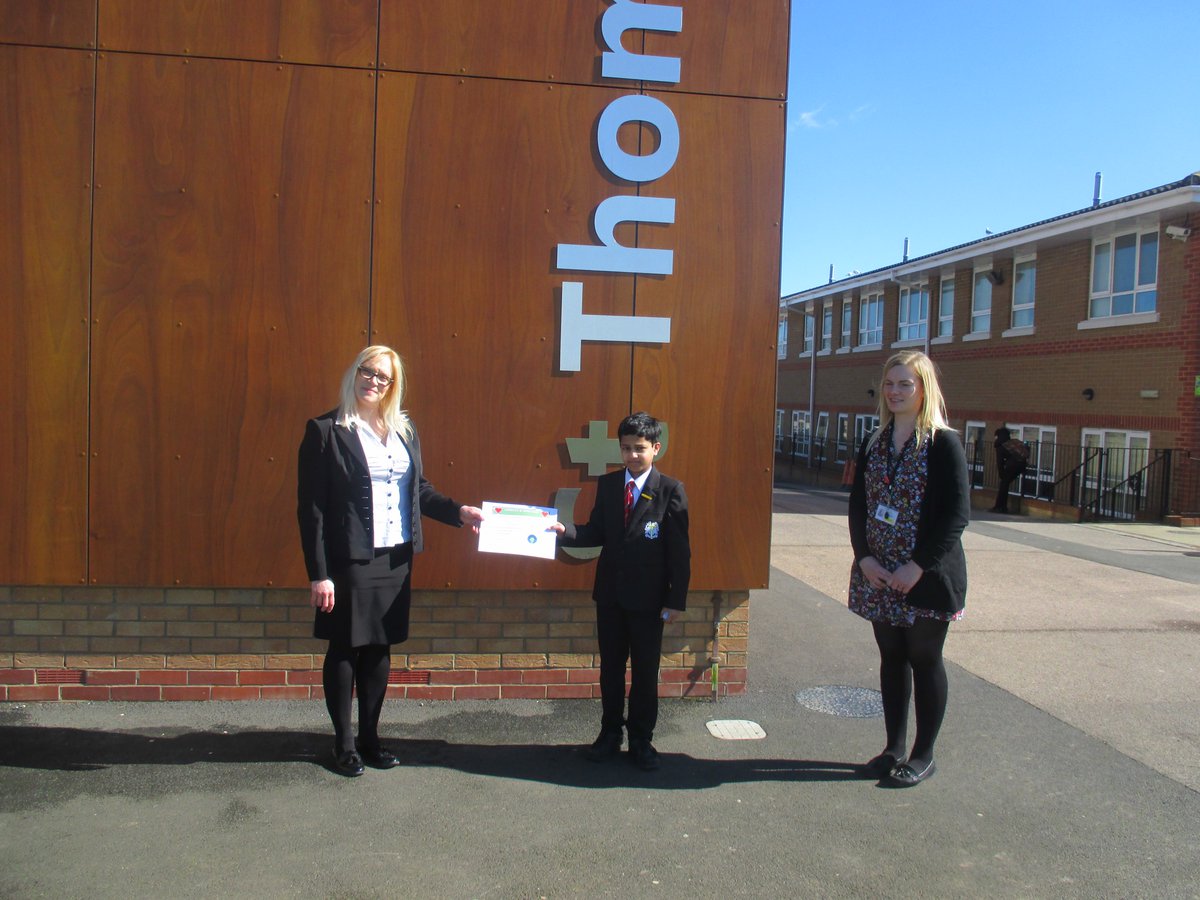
x=648 y=564
x=334 y=497
x=945 y=511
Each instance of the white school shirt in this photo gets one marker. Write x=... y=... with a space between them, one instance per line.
x=391 y=486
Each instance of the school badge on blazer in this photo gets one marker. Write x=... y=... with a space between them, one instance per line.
x=651 y=530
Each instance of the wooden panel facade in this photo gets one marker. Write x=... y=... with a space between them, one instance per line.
x=316 y=32
x=232 y=236
x=533 y=40
x=715 y=381
x=473 y=196
x=50 y=23
x=256 y=222
x=45 y=205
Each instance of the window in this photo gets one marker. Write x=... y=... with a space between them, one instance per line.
x=914 y=312
x=863 y=427
x=1114 y=470
x=801 y=432
x=822 y=434
x=1124 y=275
x=808 y=334
x=843 y=437
x=847 y=320
x=781 y=341
x=981 y=303
x=827 y=327
x=1024 y=289
x=946 y=308
x=1038 y=478
x=974 y=442
x=779 y=430
x=870 y=321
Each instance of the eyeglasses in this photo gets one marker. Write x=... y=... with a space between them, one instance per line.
x=377 y=377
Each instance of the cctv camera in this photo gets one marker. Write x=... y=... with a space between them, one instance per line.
x=1178 y=232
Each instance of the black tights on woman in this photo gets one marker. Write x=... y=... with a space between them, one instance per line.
x=367 y=669
x=910 y=663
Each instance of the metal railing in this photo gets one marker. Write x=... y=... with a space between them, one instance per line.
x=1098 y=482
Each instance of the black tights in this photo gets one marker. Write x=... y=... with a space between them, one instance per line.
x=910 y=662
x=345 y=668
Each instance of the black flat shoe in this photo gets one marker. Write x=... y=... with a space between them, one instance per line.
x=379 y=758
x=606 y=746
x=880 y=766
x=348 y=763
x=905 y=775
x=643 y=755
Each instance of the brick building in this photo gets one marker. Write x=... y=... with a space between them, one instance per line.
x=1080 y=333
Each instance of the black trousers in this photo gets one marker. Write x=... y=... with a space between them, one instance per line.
x=635 y=638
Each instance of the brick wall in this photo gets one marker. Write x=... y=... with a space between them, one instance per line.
x=1039 y=378
x=91 y=643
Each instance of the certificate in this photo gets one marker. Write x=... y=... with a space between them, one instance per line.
x=517 y=529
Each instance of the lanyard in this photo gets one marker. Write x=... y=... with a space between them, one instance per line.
x=889 y=474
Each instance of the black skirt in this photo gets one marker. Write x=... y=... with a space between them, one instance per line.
x=371 y=599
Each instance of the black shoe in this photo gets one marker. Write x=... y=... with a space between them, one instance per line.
x=905 y=775
x=881 y=766
x=606 y=746
x=379 y=758
x=348 y=763
x=643 y=755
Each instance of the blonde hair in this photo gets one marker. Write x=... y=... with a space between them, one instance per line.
x=390 y=410
x=932 y=414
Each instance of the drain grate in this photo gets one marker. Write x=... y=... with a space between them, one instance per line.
x=736 y=730
x=842 y=700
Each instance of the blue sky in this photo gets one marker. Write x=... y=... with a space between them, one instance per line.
x=937 y=120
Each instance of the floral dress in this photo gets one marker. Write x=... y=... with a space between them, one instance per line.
x=896 y=481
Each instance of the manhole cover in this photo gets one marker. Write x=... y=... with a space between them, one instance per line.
x=842 y=700
x=736 y=730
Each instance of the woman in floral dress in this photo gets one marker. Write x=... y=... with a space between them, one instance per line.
x=908 y=508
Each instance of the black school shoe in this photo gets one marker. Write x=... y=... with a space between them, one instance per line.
x=347 y=763
x=379 y=758
x=642 y=754
x=606 y=746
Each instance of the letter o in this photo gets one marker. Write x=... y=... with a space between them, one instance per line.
x=630 y=166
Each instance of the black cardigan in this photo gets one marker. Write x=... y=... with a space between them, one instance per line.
x=945 y=511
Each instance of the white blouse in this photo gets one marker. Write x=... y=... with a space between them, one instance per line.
x=391 y=486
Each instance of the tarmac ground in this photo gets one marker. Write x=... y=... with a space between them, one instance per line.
x=1068 y=765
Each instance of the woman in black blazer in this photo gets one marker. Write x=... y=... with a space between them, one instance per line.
x=908 y=508
x=361 y=497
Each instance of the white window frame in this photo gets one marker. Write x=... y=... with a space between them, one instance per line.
x=827 y=327
x=801 y=432
x=842 y=448
x=822 y=433
x=1021 y=318
x=1038 y=477
x=974 y=436
x=980 y=322
x=870 y=322
x=809 y=325
x=1125 y=441
x=864 y=425
x=1102 y=291
x=781 y=340
x=945 y=310
x=912 y=323
x=847 y=325
x=779 y=417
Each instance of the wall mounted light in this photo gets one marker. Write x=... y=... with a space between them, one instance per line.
x=870 y=392
x=1088 y=394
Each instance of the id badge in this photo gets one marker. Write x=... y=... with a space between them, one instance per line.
x=887 y=514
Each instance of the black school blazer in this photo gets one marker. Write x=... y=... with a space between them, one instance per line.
x=945 y=512
x=648 y=564
x=334 y=497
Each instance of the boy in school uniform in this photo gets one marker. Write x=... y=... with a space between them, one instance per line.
x=640 y=522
